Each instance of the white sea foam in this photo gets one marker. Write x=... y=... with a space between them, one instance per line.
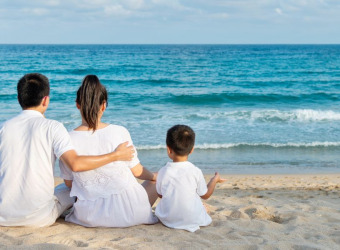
x=241 y=144
x=315 y=115
x=299 y=115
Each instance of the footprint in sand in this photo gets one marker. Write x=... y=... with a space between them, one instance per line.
x=261 y=212
x=74 y=243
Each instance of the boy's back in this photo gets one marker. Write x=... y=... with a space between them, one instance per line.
x=181 y=184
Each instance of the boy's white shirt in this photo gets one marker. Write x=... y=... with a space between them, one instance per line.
x=181 y=184
x=29 y=145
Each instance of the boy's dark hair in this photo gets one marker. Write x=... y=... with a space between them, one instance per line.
x=90 y=96
x=32 y=88
x=181 y=139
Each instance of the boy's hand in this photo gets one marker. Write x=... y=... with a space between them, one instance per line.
x=211 y=185
x=125 y=152
x=217 y=178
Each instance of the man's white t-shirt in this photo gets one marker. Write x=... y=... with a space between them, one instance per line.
x=29 y=145
x=181 y=184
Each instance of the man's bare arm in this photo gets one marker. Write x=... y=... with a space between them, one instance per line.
x=84 y=163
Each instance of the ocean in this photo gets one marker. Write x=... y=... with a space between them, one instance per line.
x=256 y=109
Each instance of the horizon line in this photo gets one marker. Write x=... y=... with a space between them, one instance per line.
x=169 y=43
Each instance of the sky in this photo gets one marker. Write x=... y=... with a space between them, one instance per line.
x=170 y=21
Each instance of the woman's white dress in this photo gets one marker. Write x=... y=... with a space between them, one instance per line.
x=108 y=196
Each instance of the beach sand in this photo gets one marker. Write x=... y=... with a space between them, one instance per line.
x=248 y=212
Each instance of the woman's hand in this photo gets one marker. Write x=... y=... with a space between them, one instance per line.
x=124 y=152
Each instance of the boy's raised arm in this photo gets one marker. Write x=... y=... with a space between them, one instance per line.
x=84 y=163
x=211 y=185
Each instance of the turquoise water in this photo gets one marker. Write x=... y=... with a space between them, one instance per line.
x=255 y=108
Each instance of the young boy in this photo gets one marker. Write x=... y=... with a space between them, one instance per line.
x=180 y=184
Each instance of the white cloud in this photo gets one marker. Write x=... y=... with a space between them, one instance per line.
x=52 y=3
x=178 y=16
x=220 y=15
x=87 y=4
x=278 y=11
x=173 y=10
x=133 y=4
x=116 y=10
x=36 y=11
x=173 y=4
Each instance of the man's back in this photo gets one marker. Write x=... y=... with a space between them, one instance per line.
x=28 y=146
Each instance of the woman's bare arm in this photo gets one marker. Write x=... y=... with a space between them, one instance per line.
x=142 y=173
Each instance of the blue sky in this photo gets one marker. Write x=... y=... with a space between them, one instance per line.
x=170 y=21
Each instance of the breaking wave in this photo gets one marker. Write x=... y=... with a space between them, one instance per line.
x=206 y=146
x=267 y=115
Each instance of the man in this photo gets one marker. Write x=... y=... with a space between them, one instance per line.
x=29 y=146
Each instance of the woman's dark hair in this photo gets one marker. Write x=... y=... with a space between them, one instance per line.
x=90 y=96
x=181 y=139
x=32 y=88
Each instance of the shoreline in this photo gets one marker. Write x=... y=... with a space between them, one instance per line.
x=294 y=211
x=272 y=181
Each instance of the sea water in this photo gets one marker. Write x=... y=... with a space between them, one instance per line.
x=254 y=108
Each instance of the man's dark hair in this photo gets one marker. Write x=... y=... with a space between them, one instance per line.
x=181 y=139
x=32 y=88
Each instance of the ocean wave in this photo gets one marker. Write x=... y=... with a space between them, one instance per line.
x=206 y=146
x=268 y=115
x=8 y=96
x=160 y=81
x=251 y=98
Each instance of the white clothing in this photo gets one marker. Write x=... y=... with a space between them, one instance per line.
x=29 y=145
x=62 y=200
x=108 y=196
x=181 y=184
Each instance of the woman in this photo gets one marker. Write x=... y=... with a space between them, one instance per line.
x=108 y=196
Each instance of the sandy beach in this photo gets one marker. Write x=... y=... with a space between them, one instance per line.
x=248 y=212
